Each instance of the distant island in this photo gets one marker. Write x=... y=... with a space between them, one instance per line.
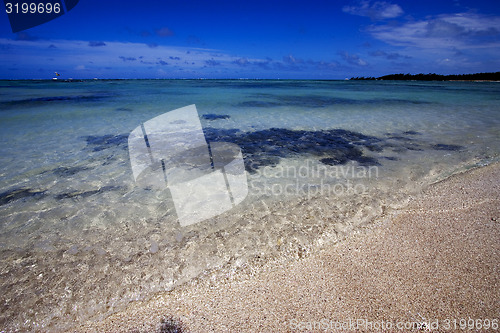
x=436 y=77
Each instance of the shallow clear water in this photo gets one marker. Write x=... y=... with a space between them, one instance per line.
x=80 y=239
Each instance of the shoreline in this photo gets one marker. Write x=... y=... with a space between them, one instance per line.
x=435 y=259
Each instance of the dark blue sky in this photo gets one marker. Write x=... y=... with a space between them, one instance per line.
x=256 y=39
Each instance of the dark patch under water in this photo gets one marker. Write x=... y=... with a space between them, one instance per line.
x=399 y=137
x=315 y=101
x=258 y=104
x=308 y=101
x=101 y=142
x=332 y=147
x=124 y=109
x=412 y=133
x=68 y=171
x=441 y=146
x=267 y=147
x=34 y=102
x=84 y=194
x=212 y=116
x=19 y=193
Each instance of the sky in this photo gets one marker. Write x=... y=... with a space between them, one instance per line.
x=307 y=39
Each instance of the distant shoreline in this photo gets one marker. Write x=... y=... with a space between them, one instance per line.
x=244 y=80
x=476 y=77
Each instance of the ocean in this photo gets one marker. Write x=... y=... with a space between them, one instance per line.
x=81 y=239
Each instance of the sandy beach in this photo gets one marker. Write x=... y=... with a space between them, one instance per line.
x=433 y=264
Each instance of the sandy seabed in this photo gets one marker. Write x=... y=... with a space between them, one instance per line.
x=432 y=265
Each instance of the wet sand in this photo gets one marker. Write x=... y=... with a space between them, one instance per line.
x=434 y=262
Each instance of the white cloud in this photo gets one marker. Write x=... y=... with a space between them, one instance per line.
x=460 y=31
x=377 y=10
x=464 y=42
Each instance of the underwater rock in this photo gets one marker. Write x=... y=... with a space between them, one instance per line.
x=442 y=146
x=211 y=116
x=68 y=171
x=268 y=146
x=19 y=193
x=258 y=104
x=412 y=133
x=84 y=194
x=101 y=142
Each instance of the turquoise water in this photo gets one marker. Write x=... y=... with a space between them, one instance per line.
x=79 y=239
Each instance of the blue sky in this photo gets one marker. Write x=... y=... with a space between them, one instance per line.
x=256 y=39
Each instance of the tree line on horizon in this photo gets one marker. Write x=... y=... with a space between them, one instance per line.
x=493 y=76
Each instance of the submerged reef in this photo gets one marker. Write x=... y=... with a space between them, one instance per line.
x=211 y=116
x=266 y=147
x=19 y=193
